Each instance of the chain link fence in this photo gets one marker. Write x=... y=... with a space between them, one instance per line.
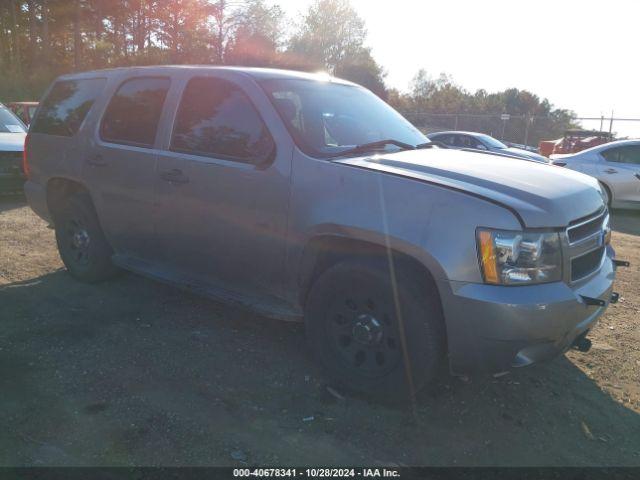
x=517 y=129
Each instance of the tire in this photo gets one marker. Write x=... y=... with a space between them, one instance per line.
x=353 y=328
x=83 y=248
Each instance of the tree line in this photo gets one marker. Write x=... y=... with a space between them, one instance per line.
x=41 y=39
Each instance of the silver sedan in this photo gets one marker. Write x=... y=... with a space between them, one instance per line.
x=616 y=165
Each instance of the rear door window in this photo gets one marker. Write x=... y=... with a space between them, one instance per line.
x=446 y=139
x=66 y=106
x=216 y=119
x=627 y=154
x=133 y=114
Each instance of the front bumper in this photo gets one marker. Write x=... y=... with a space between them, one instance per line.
x=494 y=328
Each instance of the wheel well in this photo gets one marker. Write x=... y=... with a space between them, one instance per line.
x=324 y=252
x=59 y=189
x=608 y=190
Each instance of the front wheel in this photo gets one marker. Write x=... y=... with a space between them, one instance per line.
x=83 y=248
x=355 y=327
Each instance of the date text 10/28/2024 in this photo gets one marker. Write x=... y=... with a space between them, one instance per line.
x=317 y=472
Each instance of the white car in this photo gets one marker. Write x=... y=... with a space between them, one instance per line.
x=616 y=165
x=12 y=134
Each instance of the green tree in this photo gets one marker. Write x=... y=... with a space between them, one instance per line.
x=331 y=31
x=258 y=35
x=331 y=36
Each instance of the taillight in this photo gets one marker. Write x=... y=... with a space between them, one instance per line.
x=25 y=161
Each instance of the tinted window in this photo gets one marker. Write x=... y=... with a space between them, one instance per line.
x=133 y=113
x=492 y=142
x=215 y=118
x=628 y=154
x=66 y=106
x=465 y=141
x=446 y=139
x=9 y=123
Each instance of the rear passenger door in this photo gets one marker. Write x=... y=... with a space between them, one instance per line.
x=621 y=171
x=223 y=189
x=120 y=167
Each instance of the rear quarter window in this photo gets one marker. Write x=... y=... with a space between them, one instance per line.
x=66 y=106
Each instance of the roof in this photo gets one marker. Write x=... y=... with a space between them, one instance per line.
x=27 y=104
x=458 y=132
x=256 y=73
x=617 y=143
x=604 y=146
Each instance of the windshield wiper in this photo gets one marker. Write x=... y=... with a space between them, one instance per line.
x=367 y=147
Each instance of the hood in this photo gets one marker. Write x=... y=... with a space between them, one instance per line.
x=542 y=195
x=525 y=154
x=12 y=142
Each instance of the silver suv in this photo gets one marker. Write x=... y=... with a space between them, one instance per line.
x=308 y=198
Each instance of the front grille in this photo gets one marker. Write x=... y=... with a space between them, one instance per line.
x=586 y=264
x=585 y=229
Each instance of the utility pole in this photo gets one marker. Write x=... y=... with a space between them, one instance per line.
x=528 y=120
x=611 y=123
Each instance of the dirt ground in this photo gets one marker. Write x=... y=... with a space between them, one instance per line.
x=133 y=372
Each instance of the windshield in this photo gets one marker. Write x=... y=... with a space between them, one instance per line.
x=9 y=123
x=492 y=142
x=327 y=118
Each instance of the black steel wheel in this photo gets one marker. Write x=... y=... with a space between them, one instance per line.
x=82 y=245
x=363 y=332
x=355 y=327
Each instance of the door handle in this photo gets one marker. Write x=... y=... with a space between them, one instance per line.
x=174 y=176
x=97 y=161
x=611 y=170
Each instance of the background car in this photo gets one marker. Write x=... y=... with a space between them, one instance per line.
x=574 y=141
x=482 y=141
x=12 y=134
x=24 y=110
x=616 y=165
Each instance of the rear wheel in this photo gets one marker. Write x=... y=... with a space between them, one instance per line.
x=82 y=245
x=355 y=327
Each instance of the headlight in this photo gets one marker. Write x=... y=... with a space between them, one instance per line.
x=517 y=258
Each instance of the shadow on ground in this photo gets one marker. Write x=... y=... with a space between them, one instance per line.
x=131 y=372
x=10 y=202
x=626 y=221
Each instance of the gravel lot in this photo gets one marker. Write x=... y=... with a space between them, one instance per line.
x=132 y=372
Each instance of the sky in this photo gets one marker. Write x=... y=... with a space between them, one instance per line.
x=581 y=55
